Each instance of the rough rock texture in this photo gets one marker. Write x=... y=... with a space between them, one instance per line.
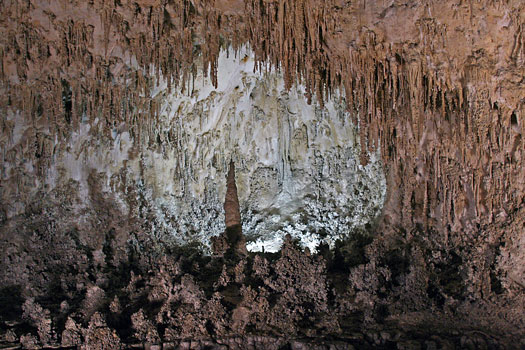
x=292 y=299
x=436 y=87
x=297 y=165
x=232 y=211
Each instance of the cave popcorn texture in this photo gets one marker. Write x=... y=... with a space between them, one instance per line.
x=298 y=169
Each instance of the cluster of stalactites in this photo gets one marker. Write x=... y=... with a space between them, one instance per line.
x=445 y=140
x=100 y=60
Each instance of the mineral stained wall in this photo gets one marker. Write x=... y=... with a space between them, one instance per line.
x=88 y=256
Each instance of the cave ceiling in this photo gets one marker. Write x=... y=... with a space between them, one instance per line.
x=385 y=137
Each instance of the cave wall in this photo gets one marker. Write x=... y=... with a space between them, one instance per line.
x=435 y=87
x=297 y=164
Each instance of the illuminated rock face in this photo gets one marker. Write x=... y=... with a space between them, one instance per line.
x=101 y=170
x=297 y=164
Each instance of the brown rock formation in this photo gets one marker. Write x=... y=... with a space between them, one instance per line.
x=232 y=210
x=440 y=93
x=437 y=86
x=232 y=237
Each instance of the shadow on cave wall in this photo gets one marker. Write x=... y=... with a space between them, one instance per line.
x=356 y=293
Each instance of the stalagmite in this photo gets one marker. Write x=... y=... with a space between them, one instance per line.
x=234 y=236
x=232 y=239
x=231 y=202
x=389 y=131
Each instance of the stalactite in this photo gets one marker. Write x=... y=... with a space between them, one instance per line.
x=390 y=86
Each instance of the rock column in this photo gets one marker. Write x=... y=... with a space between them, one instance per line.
x=232 y=240
x=231 y=202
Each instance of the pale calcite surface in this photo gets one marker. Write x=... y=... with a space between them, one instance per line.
x=297 y=165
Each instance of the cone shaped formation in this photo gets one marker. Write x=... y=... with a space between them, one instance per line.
x=231 y=202
x=232 y=238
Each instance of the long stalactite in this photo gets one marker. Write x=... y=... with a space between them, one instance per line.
x=410 y=99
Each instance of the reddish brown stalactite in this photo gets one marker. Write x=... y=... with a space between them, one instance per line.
x=417 y=90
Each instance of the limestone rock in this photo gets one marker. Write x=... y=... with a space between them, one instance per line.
x=72 y=334
x=385 y=137
x=99 y=336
